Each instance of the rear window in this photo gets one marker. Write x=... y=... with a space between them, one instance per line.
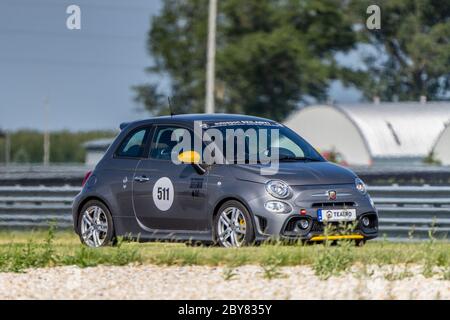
x=133 y=145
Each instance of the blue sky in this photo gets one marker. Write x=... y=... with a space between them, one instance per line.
x=85 y=74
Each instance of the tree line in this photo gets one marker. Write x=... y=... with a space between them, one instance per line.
x=27 y=146
x=275 y=56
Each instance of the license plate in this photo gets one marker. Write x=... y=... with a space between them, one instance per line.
x=336 y=215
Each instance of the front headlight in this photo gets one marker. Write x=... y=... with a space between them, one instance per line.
x=278 y=189
x=278 y=207
x=360 y=186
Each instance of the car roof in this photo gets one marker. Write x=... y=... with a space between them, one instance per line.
x=186 y=118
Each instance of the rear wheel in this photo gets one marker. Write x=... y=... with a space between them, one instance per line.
x=233 y=225
x=95 y=225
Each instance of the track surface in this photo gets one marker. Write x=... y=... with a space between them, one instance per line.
x=202 y=282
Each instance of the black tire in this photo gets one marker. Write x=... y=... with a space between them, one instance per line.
x=249 y=237
x=110 y=237
x=360 y=243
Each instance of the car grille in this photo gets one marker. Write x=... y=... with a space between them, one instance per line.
x=333 y=204
x=317 y=226
x=373 y=225
x=262 y=223
x=335 y=227
x=291 y=230
x=290 y=226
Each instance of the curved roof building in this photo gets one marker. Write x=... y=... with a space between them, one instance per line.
x=364 y=134
x=442 y=147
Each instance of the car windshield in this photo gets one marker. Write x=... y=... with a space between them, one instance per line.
x=263 y=140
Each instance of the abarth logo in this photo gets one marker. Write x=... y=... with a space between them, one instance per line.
x=332 y=195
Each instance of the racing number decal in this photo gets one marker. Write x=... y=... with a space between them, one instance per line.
x=163 y=194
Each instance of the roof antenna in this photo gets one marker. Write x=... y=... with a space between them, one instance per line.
x=170 y=107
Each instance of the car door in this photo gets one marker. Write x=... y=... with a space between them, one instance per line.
x=118 y=171
x=168 y=196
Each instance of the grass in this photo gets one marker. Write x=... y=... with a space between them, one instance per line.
x=271 y=269
x=334 y=261
x=22 y=250
x=229 y=274
x=38 y=250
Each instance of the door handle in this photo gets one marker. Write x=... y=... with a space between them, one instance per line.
x=141 y=179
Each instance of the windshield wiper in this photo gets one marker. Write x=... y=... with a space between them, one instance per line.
x=299 y=159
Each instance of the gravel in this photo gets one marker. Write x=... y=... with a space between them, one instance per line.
x=201 y=282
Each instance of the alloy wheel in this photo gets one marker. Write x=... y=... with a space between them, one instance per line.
x=232 y=227
x=94 y=226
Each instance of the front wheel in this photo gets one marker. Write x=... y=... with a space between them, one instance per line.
x=95 y=225
x=233 y=225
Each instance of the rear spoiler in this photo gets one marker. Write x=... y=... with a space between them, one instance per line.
x=123 y=125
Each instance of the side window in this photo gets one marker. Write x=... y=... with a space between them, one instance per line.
x=133 y=145
x=162 y=144
x=286 y=143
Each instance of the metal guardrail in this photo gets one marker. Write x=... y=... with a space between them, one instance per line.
x=406 y=212
x=36 y=206
x=412 y=212
x=33 y=175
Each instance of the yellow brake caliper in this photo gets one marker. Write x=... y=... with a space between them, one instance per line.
x=242 y=224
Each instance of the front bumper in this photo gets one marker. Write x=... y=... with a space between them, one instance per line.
x=308 y=200
x=319 y=231
x=331 y=231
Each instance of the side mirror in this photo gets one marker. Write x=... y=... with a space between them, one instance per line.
x=193 y=158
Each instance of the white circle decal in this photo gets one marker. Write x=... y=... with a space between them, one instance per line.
x=163 y=194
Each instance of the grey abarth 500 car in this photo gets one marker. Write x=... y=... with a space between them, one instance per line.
x=151 y=186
